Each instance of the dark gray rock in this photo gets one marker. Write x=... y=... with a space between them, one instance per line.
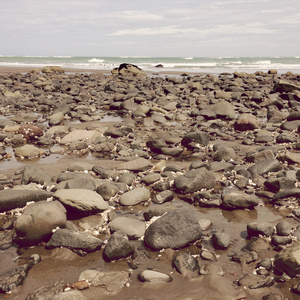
x=163 y=197
x=127 y=178
x=117 y=247
x=37 y=222
x=220 y=240
x=280 y=240
x=105 y=173
x=265 y=166
x=246 y=122
x=283 y=228
x=286 y=194
x=187 y=265
x=11 y=199
x=281 y=183
x=174 y=230
x=224 y=154
x=193 y=140
x=260 y=228
x=284 y=86
x=288 y=261
x=239 y=200
x=78 y=242
x=150 y=178
x=194 y=180
x=80 y=183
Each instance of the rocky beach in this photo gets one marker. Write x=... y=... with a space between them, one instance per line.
x=141 y=185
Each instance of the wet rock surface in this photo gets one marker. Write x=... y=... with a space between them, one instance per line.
x=143 y=186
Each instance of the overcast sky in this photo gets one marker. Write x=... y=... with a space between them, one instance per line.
x=150 y=27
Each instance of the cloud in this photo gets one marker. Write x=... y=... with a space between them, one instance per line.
x=135 y=15
x=154 y=31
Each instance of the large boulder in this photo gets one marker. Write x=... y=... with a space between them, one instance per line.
x=194 y=180
x=130 y=70
x=174 y=230
x=38 y=220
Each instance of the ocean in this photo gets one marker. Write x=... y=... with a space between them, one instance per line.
x=183 y=64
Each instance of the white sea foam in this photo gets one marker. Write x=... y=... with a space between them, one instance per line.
x=96 y=60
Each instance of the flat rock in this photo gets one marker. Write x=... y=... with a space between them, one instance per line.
x=137 y=165
x=79 y=135
x=174 y=230
x=82 y=200
x=35 y=174
x=265 y=166
x=135 y=196
x=260 y=228
x=48 y=291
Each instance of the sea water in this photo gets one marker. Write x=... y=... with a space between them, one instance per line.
x=183 y=64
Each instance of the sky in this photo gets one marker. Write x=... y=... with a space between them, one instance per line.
x=172 y=28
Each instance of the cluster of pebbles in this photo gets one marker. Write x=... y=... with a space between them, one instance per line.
x=184 y=181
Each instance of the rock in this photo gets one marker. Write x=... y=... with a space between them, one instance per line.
x=220 y=240
x=130 y=70
x=288 y=261
x=208 y=255
x=133 y=228
x=246 y=122
x=154 y=276
x=283 y=228
x=135 y=196
x=80 y=183
x=107 y=190
x=105 y=173
x=239 y=200
x=174 y=230
x=281 y=183
x=137 y=165
x=224 y=109
x=272 y=297
x=69 y=295
x=194 y=180
x=81 y=200
x=79 y=135
x=80 y=166
x=27 y=151
x=163 y=197
x=224 y=154
x=257 y=228
x=265 y=166
x=11 y=199
x=117 y=247
x=283 y=86
x=112 y=282
x=79 y=242
x=280 y=240
x=150 y=178
x=56 y=118
x=12 y=279
x=33 y=173
x=187 y=265
x=47 y=292
x=30 y=132
x=53 y=69
x=37 y=222
x=194 y=140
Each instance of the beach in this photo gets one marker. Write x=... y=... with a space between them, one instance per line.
x=164 y=184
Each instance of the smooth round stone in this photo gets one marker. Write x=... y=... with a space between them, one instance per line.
x=131 y=227
x=154 y=276
x=135 y=196
x=27 y=151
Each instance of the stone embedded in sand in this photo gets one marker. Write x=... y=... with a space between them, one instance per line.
x=174 y=230
x=136 y=165
x=27 y=151
x=38 y=220
x=187 y=265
